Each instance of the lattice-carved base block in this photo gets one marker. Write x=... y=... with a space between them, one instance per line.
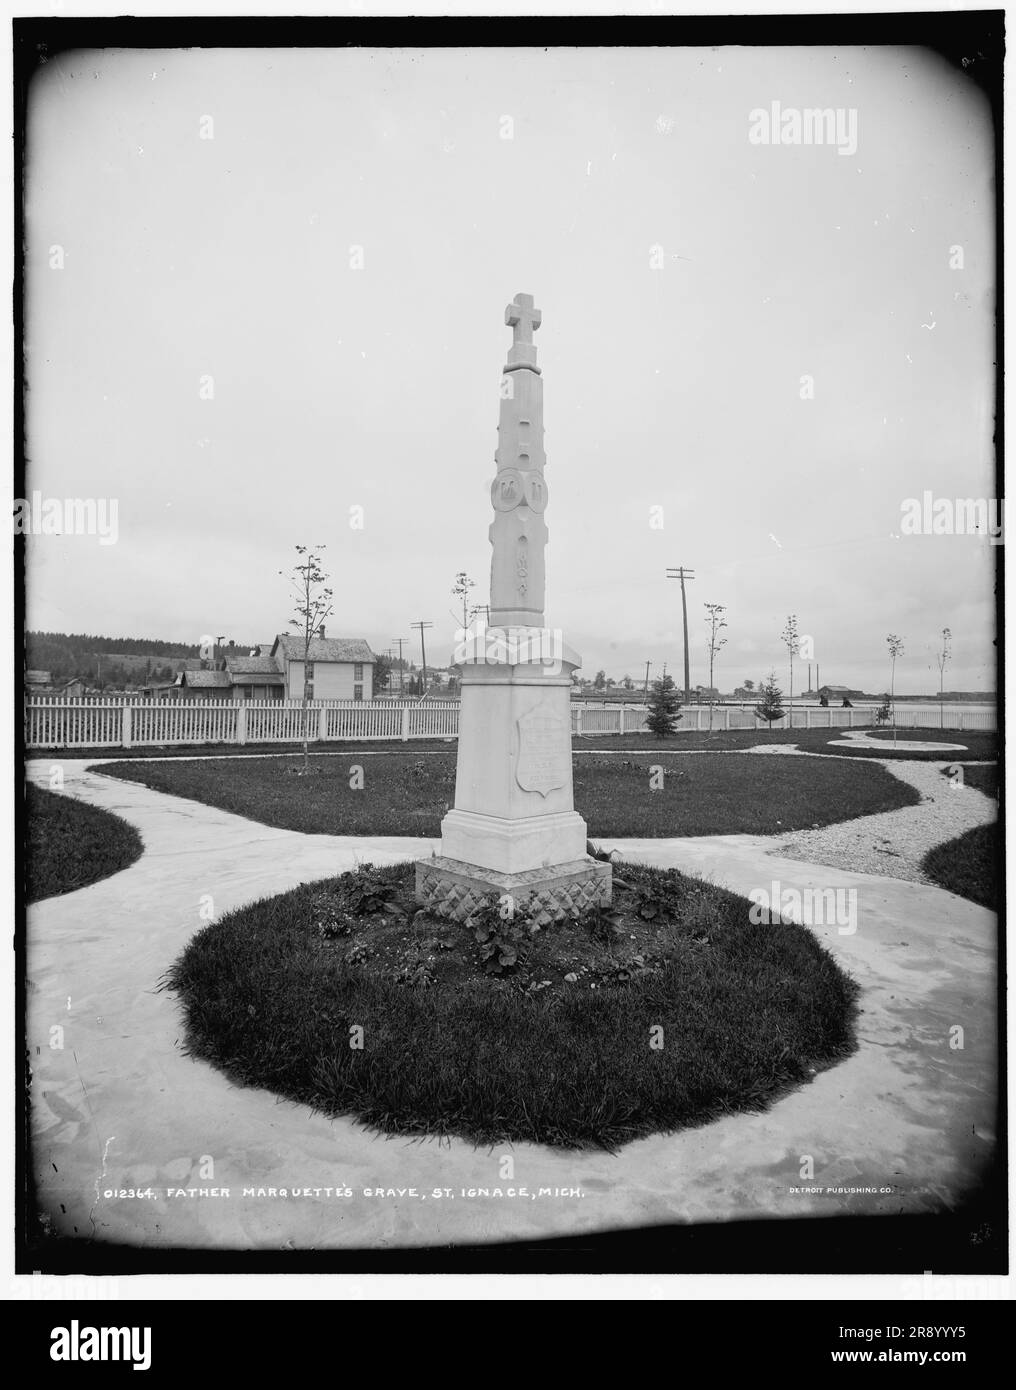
x=451 y=889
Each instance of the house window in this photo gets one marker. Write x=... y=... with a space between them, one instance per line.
x=308 y=690
x=357 y=670
x=309 y=673
x=357 y=692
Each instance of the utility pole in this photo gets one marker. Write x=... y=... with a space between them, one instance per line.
x=402 y=671
x=645 y=693
x=423 y=655
x=681 y=573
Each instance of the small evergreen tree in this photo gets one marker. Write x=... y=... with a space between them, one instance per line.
x=664 y=703
x=770 y=705
x=884 y=711
x=824 y=701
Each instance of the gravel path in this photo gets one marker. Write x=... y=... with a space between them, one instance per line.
x=893 y=843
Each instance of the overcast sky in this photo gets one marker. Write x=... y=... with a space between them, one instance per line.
x=676 y=388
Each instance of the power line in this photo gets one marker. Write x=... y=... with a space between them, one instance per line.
x=681 y=573
x=402 y=669
x=423 y=655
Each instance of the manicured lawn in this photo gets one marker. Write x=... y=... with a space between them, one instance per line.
x=729 y=739
x=728 y=794
x=721 y=794
x=69 y=845
x=230 y=750
x=969 y=865
x=710 y=1014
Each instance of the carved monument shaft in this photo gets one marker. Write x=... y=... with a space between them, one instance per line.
x=518 y=532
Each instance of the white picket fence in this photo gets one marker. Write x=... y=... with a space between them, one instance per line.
x=985 y=719
x=126 y=722
x=628 y=719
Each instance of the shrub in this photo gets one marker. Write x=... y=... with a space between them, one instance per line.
x=664 y=703
x=770 y=705
x=365 y=894
x=502 y=934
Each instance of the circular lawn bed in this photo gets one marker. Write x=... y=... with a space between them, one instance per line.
x=645 y=793
x=970 y=865
x=669 y=1010
x=69 y=844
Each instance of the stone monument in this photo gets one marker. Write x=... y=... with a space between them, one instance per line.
x=514 y=828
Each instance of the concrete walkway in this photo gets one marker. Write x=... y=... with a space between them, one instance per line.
x=119 y=1106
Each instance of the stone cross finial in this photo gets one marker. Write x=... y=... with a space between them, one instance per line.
x=523 y=318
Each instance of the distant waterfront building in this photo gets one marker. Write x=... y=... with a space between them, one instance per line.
x=839 y=692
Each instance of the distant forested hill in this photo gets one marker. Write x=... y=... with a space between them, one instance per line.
x=112 y=661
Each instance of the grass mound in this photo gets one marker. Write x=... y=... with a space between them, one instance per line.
x=407 y=794
x=69 y=844
x=670 y=1011
x=970 y=865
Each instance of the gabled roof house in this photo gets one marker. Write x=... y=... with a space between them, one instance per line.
x=255 y=677
x=340 y=668
x=337 y=668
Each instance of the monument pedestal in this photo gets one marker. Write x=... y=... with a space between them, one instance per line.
x=451 y=889
x=514 y=829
